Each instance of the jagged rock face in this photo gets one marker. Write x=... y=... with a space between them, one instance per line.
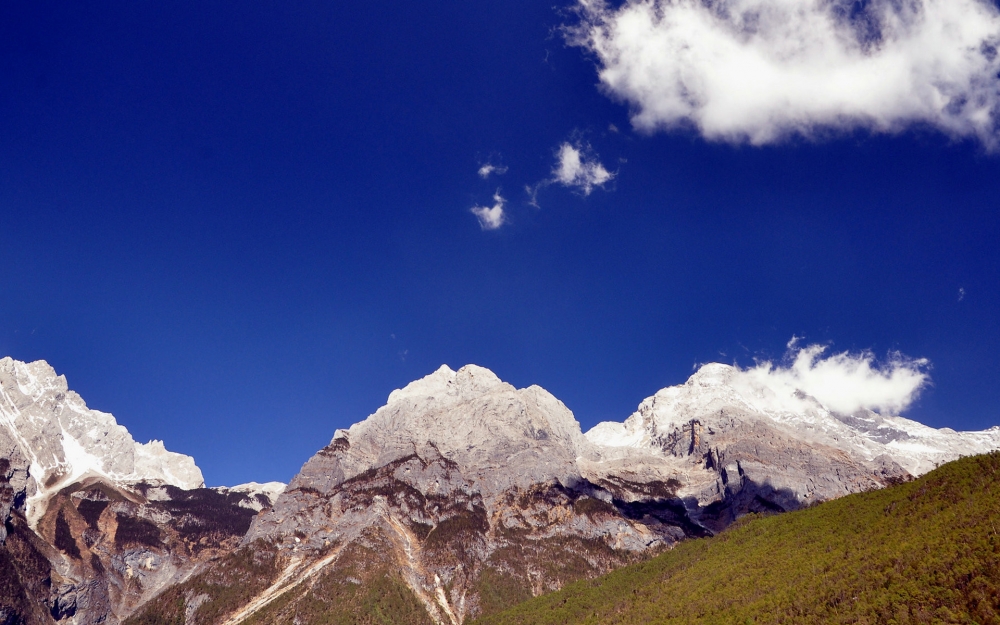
x=470 y=479
x=108 y=550
x=94 y=524
x=463 y=495
x=64 y=441
x=25 y=575
x=16 y=484
x=737 y=447
x=462 y=484
x=502 y=437
x=722 y=397
x=118 y=548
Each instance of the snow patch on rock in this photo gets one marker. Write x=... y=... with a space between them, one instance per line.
x=718 y=394
x=258 y=496
x=66 y=441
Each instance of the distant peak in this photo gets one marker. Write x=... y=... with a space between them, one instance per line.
x=476 y=377
x=470 y=378
x=431 y=384
x=713 y=374
x=271 y=489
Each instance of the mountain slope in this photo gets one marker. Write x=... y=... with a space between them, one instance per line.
x=466 y=496
x=93 y=523
x=924 y=551
x=460 y=484
x=717 y=393
x=64 y=442
x=459 y=498
x=742 y=444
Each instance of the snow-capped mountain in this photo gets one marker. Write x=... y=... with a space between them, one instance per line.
x=717 y=388
x=64 y=442
x=256 y=496
x=93 y=524
x=729 y=436
x=459 y=471
x=459 y=485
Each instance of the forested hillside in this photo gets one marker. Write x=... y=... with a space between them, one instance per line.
x=927 y=551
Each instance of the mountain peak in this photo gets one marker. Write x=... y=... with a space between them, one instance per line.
x=499 y=434
x=723 y=398
x=437 y=382
x=64 y=441
x=712 y=374
x=469 y=381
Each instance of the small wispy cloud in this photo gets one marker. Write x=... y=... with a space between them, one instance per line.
x=843 y=382
x=487 y=169
x=491 y=217
x=759 y=71
x=577 y=167
x=961 y=293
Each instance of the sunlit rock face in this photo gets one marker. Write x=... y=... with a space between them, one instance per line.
x=463 y=493
x=737 y=445
x=459 y=470
x=64 y=441
x=93 y=523
x=467 y=478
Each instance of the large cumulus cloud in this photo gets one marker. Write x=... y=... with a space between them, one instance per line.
x=759 y=71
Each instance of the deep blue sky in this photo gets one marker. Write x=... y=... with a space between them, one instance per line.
x=239 y=226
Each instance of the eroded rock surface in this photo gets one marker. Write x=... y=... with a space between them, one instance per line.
x=64 y=441
x=462 y=496
x=470 y=479
x=470 y=483
x=93 y=524
x=736 y=447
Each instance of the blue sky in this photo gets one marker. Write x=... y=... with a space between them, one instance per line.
x=239 y=226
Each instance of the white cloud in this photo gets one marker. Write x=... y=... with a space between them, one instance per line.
x=491 y=217
x=578 y=167
x=842 y=382
x=760 y=70
x=489 y=168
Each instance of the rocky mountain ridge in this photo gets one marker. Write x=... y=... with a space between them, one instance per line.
x=734 y=438
x=462 y=484
x=716 y=388
x=63 y=441
x=920 y=552
x=92 y=523
x=460 y=497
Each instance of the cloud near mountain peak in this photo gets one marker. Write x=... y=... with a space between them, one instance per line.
x=842 y=382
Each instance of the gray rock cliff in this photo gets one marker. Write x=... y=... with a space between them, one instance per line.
x=459 y=470
x=93 y=524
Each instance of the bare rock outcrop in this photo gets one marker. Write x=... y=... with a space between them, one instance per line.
x=93 y=524
x=64 y=441
x=461 y=496
x=470 y=483
x=737 y=447
x=471 y=479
